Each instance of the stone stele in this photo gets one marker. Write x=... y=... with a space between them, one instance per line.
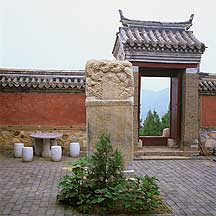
x=109 y=104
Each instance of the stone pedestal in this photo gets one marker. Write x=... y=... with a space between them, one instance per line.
x=38 y=146
x=171 y=143
x=27 y=154
x=114 y=118
x=74 y=149
x=18 y=149
x=56 y=153
x=109 y=104
x=46 y=148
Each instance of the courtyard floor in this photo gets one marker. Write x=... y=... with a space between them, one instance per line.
x=188 y=186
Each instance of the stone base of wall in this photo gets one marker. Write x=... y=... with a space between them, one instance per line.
x=12 y=134
x=208 y=138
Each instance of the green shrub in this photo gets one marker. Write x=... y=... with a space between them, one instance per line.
x=97 y=184
x=106 y=166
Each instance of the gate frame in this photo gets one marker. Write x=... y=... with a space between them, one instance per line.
x=185 y=139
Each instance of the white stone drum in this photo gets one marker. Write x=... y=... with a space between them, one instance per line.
x=27 y=154
x=74 y=149
x=166 y=132
x=56 y=153
x=171 y=143
x=18 y=149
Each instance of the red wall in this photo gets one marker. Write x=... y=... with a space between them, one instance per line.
x=208 y=111
x=47 y=109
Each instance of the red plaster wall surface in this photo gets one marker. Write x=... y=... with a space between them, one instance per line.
x=47 y=109
x=208 y=111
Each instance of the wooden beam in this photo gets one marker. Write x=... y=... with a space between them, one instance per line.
x=163 y=65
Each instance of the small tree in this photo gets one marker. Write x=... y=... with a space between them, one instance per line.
x=151 y=125
x=106 y=164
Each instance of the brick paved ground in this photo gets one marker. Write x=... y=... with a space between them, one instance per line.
x=189 y=186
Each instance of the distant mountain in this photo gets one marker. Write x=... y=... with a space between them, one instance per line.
x=154 y=100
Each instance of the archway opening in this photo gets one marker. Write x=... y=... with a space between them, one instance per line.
x=160 y=105
x=154 y=106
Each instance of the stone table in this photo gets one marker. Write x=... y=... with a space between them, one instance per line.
x=43 y=141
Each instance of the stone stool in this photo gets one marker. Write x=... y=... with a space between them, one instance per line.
x=27 y=154
x=18 y=149
x=166 y=132
x=74 y=149
x=171 y=143
x=140 y=145
x=56 y=153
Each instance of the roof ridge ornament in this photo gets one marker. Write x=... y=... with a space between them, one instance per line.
x=122 y=17
x=185 y=25
x=191 y=18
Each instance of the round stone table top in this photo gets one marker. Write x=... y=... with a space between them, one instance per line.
x=45 y=135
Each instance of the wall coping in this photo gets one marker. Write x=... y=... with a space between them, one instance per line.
x=42 y=80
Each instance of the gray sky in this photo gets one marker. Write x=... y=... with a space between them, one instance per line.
x=155 y=83
x=64 y=34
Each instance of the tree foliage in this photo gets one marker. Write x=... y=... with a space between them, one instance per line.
x=165 y=120
x=153 y=125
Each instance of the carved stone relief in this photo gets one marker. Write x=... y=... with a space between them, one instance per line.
x=109 y=80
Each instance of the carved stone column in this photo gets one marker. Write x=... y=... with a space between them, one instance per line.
x=109 y=104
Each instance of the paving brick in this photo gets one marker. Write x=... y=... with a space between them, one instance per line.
x=24 y=210
x=188 y=186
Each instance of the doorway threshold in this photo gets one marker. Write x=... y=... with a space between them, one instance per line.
x=162 y=158
x=163 y=151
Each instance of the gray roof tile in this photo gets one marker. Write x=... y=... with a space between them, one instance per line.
x=207 y=86
x=160 y=39
x=41 y=80
x=135 y=39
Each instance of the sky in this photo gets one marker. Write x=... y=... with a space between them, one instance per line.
x=154 y=83
x=64 y=34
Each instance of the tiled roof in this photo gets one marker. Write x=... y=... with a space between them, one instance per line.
x=160 y=40
x=41 y=80
x=207 y=85
x=157 y=37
